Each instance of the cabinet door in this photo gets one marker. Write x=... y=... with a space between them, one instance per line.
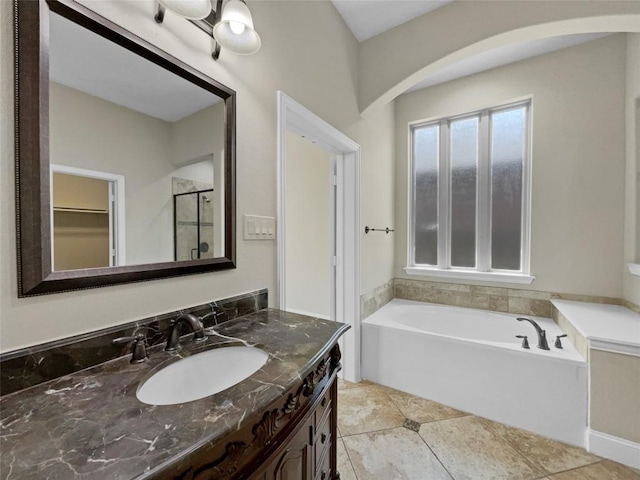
x=296 y=463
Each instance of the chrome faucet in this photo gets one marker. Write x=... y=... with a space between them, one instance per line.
x=173 y=340
x=542 y=335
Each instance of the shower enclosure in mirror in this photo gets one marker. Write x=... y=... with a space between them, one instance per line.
x=135 y=149
x=196 y=223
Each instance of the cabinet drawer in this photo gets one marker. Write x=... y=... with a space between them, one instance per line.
x=323 y=407
x=321 y=442
x=323 y=472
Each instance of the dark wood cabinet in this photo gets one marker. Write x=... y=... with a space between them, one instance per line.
x=296 y=463
x=292 y=439
x=309 y=453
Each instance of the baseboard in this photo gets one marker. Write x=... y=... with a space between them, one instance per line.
x=614 y=448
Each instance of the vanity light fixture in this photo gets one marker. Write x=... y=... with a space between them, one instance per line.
x=230 y=24
x=235 y=29
x=190 y=9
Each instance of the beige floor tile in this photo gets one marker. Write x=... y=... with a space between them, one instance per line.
x=550 y=455
x=470 y=450
x=344 y=385
x=396 y=454
x=344 y=464
x=422 y=410
x=605 y=470
x=366 y=409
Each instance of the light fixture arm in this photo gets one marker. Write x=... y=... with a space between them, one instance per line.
x=206 y=24
x=159 y=18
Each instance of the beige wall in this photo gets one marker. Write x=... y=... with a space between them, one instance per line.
x=91 y=133
x=615 y=390
x=632 y=187
x=377 y=208
x=308 y=226
x=403 y=56
x=199 y=135
x=577 y=164
x=307 y=52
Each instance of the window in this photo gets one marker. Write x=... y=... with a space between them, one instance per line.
x=470 y=195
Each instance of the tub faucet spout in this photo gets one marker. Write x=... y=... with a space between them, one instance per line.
x=542 y=335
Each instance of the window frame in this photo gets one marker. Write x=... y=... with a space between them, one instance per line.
x=482 y=270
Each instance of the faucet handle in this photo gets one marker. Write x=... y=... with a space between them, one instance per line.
x=558 y=343
x=525 y=341
x=139 y=348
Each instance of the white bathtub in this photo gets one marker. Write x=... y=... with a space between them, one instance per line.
x=470 y=360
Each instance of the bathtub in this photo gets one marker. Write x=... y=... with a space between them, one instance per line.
x=470 y=360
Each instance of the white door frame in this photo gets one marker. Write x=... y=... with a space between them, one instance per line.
x=117 y=239
x=296 y=118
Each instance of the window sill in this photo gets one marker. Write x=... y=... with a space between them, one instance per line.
x=497 y=277
x=634 y=268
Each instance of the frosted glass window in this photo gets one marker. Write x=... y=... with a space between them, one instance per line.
x=464 y=177
x=425 y=149
x=470 y=191
x=507 y=160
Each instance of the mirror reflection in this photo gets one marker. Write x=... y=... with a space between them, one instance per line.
x=136 y=154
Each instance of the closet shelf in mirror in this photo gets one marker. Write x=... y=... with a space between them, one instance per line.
x=78 y=210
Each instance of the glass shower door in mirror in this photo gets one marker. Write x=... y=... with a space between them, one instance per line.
x=194 y=224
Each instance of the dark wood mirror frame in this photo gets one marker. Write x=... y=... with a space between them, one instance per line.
x=33 y=221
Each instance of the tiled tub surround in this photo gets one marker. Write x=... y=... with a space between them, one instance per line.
x=90 y=425
x=470 y=360
x=388 y=434
x=510 y=300
x=31 y=366
x=377 y=298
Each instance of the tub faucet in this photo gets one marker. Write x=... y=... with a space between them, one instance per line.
x=542 y=335
x=173 y=340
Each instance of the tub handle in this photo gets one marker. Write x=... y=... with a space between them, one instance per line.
x=558 y=343
x=525 y=342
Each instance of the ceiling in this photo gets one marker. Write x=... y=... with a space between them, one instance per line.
x=86 y=61
x=368 y=18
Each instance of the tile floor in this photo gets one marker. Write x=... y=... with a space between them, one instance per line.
x=390 y=435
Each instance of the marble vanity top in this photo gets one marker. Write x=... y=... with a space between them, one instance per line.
x=90 y=425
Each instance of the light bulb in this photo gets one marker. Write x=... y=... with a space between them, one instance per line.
x=237 y=27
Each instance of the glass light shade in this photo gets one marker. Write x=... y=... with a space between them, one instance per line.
x=191 y=9
x=235 y=29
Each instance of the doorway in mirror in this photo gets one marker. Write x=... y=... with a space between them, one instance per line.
x=85 y=225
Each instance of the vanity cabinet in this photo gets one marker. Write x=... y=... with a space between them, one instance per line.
x=309 y=453
x=292 y=439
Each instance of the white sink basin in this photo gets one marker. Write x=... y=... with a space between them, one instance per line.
x=201 y=375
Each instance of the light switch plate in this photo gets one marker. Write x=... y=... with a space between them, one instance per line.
x=259 y=228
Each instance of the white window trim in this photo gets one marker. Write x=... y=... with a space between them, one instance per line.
x=482 y=271
x=494 y=276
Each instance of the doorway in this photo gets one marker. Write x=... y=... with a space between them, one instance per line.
x=342 y=257
x=87 y=219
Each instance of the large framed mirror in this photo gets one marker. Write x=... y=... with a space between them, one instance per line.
x=125 y=156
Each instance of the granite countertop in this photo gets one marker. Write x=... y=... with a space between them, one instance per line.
x=90 y=425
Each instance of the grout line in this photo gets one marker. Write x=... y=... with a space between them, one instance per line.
x=372 y=431
x=536 y=465
x=436 y=456
x=578 y=468
x=344 y=445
